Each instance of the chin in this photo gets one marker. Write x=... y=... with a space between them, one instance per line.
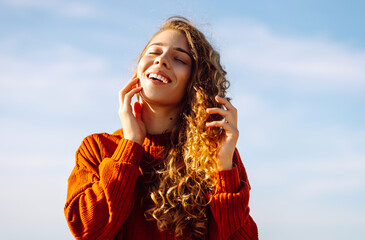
x=158 y=100
x=151 y=98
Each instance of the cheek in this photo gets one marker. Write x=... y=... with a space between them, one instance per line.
x=142 y=65
x=182 y=71
x=140 y=68
x=186 y=74
x=184 y=79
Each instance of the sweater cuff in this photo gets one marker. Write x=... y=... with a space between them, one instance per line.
x=229 y=181
x=128 y=151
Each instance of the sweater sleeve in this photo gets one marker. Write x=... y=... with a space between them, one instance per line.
x=101 y=192
x=229 y=206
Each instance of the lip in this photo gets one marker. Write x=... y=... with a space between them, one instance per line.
x=159 y=73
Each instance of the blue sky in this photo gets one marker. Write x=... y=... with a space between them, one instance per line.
x=297 y=72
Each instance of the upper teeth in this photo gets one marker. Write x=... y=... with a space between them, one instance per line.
x=159 y=77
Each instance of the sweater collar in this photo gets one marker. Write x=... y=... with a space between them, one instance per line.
x=155 y=140
x=162 y=139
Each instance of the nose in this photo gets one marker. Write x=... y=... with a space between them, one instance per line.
x=161 y=60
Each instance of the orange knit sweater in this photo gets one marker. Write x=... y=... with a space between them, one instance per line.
x=105 y=189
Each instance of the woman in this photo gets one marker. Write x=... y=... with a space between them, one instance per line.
x=173 y=171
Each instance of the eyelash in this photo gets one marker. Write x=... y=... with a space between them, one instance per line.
x=177 y=59
x=183 y=62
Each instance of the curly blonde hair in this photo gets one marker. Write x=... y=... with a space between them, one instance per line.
x=187 y=177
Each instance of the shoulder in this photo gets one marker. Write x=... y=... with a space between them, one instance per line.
x=102 y=138
x=96 y=140
x=98 y=146
x=118 y=132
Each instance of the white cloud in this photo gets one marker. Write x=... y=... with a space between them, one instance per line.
x=332 y=185
x=282 y=150
x=312 y=63
x=62 y=77
x=62 y=7
x=331 y=176
x=290 y=164
x=313 y=178
x=79 y=10
x=261 y=122
x=31 y=3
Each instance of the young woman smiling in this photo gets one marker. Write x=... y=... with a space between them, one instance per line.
x=173 y=171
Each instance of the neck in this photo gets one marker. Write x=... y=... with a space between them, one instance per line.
x=159 y=119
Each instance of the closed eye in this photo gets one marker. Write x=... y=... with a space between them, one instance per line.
x=178 y=59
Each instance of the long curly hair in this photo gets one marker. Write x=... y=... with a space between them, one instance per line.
x=187 y=177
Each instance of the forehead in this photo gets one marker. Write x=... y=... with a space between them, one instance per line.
x=171 y=38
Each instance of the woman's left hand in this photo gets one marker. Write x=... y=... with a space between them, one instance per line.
x=229 y=136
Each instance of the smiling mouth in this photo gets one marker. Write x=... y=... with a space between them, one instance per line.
x=158 y=77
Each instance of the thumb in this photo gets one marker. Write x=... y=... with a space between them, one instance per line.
x=137 y=110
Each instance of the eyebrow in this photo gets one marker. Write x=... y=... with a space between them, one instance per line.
x=177 y=49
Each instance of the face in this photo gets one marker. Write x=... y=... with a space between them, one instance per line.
x=164 y=69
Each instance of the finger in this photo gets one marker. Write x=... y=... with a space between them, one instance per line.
x=219 y=111
x=230 y=116
x=125 y=100
x=226 y=126
x=130 y=85
x=134 y=76
x=128 y=97
x=226 y=103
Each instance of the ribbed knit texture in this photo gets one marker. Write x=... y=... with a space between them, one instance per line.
x=105 y=192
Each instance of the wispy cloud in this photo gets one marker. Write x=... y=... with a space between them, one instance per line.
x=310 y=161
x=317 y=177
x=66 y=8
x=53 y=78
x=75 y=9
x=295 y=149
x=293 y=162
x=314 y=63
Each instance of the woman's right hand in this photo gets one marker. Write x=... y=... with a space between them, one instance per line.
x=134 y=128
